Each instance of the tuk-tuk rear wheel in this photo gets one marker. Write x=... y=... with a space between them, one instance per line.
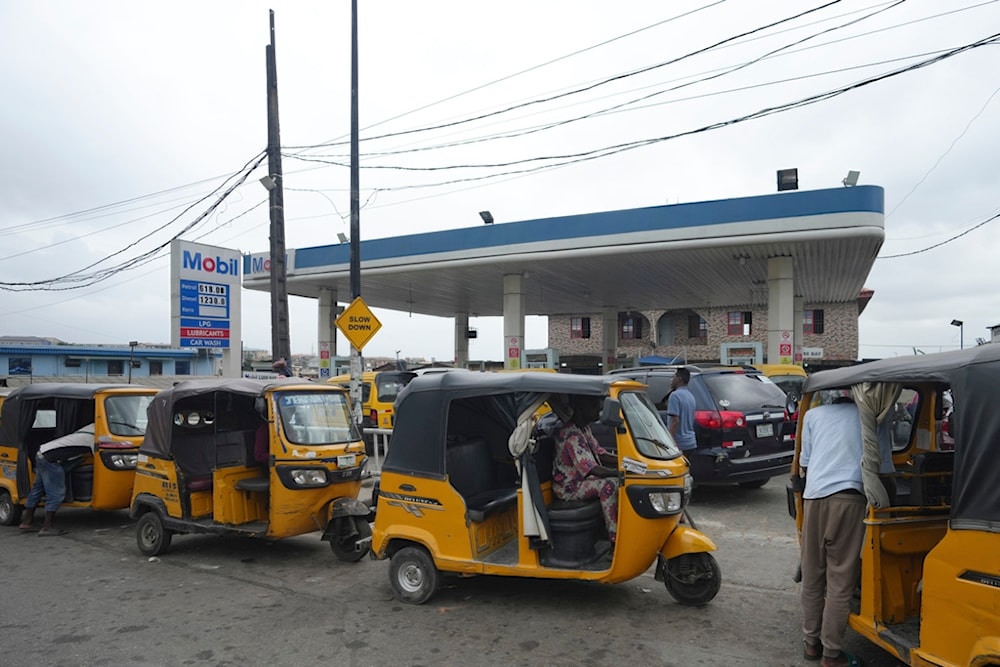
x=345 y=548
x=693 y=579
x=151 y=536
x=9 y=512
x=412 y=575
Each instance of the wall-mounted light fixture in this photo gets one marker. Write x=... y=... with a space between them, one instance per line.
x=788 y=179
x=342 y=237
x=851 y=179
x=487 y=217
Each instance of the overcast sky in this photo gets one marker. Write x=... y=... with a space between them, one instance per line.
x=119 y=118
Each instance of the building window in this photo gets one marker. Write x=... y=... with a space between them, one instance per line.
x=697 y=327
x=579 y=327
x=630 y=326
x=116 y=367
x=812 y=321
x=739 y=323
x=156 y=368
x=19 y=366
x=182 y=368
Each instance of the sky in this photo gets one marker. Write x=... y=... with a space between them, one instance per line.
x=125 y=122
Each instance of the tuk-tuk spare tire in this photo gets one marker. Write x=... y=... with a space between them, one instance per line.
x=413 y=576
x=151 y=536
x=693 y=579
x=9 y=512
x=345 y=548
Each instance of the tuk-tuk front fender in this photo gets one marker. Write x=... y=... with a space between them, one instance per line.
x=348 y=507
x=686 y=540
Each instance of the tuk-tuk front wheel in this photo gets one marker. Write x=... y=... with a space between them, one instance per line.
x=9 y=512
x=412 y=575
x=344 y=541
x=693 y=579
x=151 y=535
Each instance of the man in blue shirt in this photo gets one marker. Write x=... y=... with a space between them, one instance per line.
x=680 y=410
x=833 y=512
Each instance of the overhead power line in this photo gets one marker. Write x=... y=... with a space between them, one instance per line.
x=81 y=277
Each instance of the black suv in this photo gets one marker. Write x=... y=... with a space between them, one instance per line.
x=744 y=434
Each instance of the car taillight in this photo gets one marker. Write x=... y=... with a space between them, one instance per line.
x=723 y=419
x=708 y=419
x=712 y=419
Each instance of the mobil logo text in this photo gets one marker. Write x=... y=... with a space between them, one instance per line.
x=219 y=265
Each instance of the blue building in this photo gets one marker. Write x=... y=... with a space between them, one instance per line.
x=25 y=360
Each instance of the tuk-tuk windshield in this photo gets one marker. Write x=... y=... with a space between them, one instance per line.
x=316 y=418
x=127 y=414
x=651 y=437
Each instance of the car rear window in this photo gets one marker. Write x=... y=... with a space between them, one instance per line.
x=390 y=384
x=744 y=393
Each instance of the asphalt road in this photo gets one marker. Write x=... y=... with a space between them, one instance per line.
x=90 y=598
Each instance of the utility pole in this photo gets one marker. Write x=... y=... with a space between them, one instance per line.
x=355 y=212
x=280 y=340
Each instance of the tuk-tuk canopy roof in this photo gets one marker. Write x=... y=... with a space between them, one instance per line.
x=160 y=412
x=421 y=422
x=13 y=428
x=974 y=377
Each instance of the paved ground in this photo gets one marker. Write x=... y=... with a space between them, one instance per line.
x=90 y=598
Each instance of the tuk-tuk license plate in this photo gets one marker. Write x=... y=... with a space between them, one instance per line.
x=765 y=430
x=347 y=460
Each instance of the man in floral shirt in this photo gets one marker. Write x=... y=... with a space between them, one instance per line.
x=582 y=469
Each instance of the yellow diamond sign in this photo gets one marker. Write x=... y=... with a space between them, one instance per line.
x=358 y=323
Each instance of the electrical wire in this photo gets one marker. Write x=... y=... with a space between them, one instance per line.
x=946 y=241
x=84 y=279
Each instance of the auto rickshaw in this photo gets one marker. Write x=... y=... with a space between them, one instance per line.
x=930 y=575
x=37 y=413
x=260 y=458
x=466 y=489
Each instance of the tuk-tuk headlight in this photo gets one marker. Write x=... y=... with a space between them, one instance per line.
x=666 y=502
x=119 y=460
x=309 y=477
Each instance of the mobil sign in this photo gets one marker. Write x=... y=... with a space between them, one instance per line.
x=205 y=295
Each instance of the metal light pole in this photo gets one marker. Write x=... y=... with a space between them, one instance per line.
x=961 y=332
x=355 y=212
x=131 y=358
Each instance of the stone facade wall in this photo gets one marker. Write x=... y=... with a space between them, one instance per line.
x=839 y=340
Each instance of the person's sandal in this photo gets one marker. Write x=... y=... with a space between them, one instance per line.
x=811 y=651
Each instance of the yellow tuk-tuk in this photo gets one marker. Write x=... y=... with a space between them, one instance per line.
x=466 y=488
x=37 y=413
x=930 y=566
x=260 y=458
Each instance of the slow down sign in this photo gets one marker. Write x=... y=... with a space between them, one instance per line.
x=358 y=323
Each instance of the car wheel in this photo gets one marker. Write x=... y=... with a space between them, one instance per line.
x=412 y=575
x=9 y=512
x=151 y=536
x=693 y=579
x=345 y=547
x=755 y=484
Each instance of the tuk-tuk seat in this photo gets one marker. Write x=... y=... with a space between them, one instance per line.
x=472 y=471
x=195 y=484
x=254 y=484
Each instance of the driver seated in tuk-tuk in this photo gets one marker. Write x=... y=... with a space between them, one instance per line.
x=582 y=469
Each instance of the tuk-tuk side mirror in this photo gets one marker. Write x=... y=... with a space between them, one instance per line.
x=260 y=405
x=611 y=412
x=792 y=403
